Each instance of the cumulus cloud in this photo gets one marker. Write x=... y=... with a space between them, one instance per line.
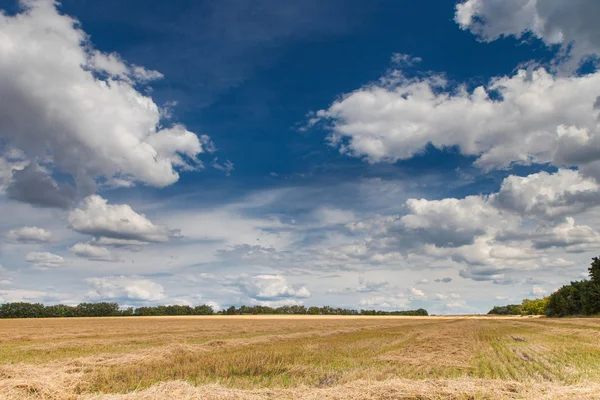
x=91 y=252
x=124 y=287
x=44 y=260
x=570 y=24
x=28 y=235
x=269 y=287
x=80 y=109
x=530 y=117
x=492 y=236
x=548 y=196
x=119 y=221
x=450 y=222
x=568 y=236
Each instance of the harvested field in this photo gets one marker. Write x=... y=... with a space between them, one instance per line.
x=274 y=357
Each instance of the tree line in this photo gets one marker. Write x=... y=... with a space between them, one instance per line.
x=104 y=309
x=577 y=298
x=325 y=310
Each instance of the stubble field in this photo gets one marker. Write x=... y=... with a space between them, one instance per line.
x=300 y=358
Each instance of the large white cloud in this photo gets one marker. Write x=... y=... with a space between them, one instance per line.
x=28 y=234
x=492 y=236
x=119 y=221
x=530 y=117
x=124 y=288
x=81 y=109
x=548 y=196
x=572 y=24
x=451 y=222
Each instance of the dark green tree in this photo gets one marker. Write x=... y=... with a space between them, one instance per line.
x=594 y=270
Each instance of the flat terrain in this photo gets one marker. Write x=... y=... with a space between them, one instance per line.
x=300 y=358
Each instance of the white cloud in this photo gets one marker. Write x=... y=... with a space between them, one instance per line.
x=442 y=296
x=28 y=234
x=416 y=294
x=276 y=303
x=456 y=304
x=226 y=167
x=451 y=222
x=405 y=59
x=124 y=287
x=530 y=117
x=91 y=252
x=269 y=287
x=332 y=216
x=569 y=236
x=571 y=24
x=44 y=260
x=548 y=196
x=32 y=296
x=63 y=101
x=538 y=291
x=119 y=221
x=395 y=302
x=215 y=306
x=491 y=236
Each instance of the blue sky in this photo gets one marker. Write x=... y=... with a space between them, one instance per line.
x=380 y=154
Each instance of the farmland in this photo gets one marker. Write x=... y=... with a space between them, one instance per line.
x=300 y=357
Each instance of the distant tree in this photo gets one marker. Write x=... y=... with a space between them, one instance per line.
x=127 y=312
x=534 y=307
x=314 y=310
x=104 y=309
x=231 y=311
x=203 y=310
x=511 y=309
x=566 y=300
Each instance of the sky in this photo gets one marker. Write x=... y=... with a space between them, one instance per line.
x=382 y=155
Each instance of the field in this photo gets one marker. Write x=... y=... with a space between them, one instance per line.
x=300 y=358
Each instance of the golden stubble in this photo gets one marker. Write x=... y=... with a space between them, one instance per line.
x=302 y=357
